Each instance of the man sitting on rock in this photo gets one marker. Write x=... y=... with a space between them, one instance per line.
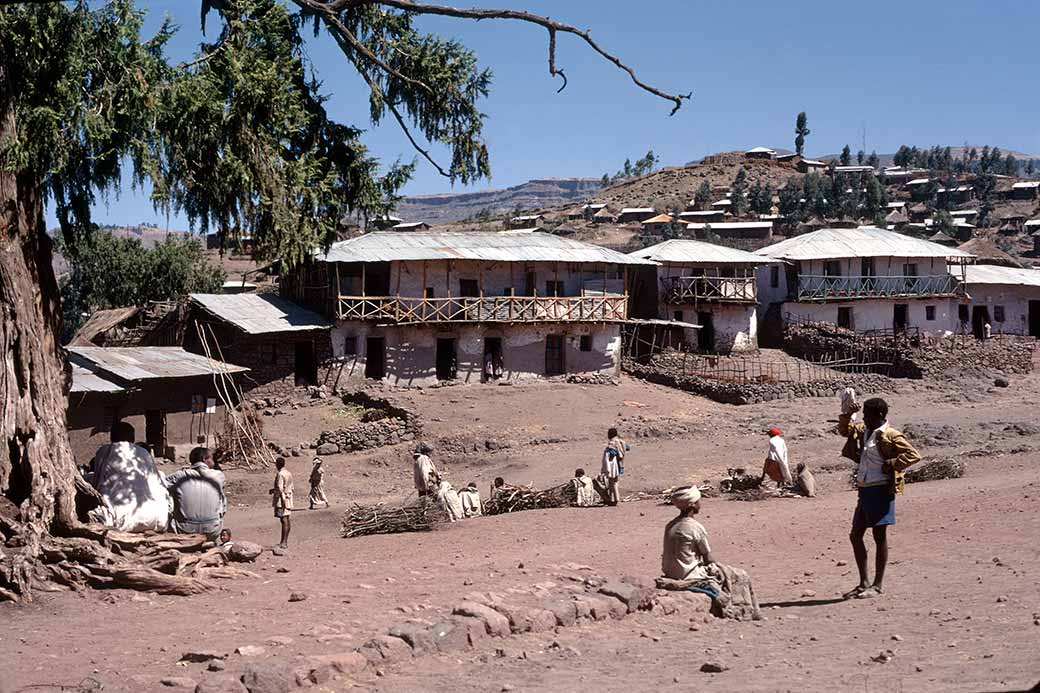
x=470 y=497
x=131 y=486
x=585 y=492
x=199 y=503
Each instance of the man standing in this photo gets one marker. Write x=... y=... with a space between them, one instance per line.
x=424 y=472
x=317 y=481
x=131 y=487
x=686 y=554
x=282 y=499
x=613 y=463
x=776 y=466
x=881 y=453
x=199 y=503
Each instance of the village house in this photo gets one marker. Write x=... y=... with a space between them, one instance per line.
x=169 y=395
x=420 y=308
x=896 y=220
x=706 y=216
x=918 y=188
x=282 y=344
x=1007 y=298
x=760 y=153
x=711 y=286
x=734 y=230
x=810 y=165
x=658 y=224
x=1025 y=190
x=1012 y=222
x=954 y=195
x=865 y=279
x=525 y=221
x=604 y=216
x=411 y=226
x=386 y=221
x=640 y=214
x=969 y=215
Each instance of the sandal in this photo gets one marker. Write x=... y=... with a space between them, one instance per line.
x=869 y=593
x=855 y=592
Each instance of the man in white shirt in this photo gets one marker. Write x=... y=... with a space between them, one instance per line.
x=686 y=554
x=424 y=472
x=131 y=486
x=776 y=466
x=282 y=500
x=470 y=497
x=610 y=470
x=585 y=492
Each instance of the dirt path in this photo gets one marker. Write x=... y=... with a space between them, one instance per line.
x=943 y=586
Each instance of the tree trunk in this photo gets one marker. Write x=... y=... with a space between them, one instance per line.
x=37 y=469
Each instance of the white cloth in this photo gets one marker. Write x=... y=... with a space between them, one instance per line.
x=612 y=456
x=449 y=500
x=848 y=401
x=778 y=453
x=684 y=497
x=283 y=490
x=685 y=550
x=133 y=496
x=586 y=492
x=871 y=470
x=421 y=471
x=470 y=503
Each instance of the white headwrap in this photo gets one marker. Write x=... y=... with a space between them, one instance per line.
x=684 y=497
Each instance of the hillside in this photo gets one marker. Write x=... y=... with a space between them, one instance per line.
x=534 y=194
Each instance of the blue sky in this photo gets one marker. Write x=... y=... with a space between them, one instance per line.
x=920 y=72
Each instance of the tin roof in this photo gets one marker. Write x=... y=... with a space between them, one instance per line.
x=638 y=210
x=482 y=246
x=146 y=363
x=260 y=313
x=659 y=219
x=861 y=242
x=102 y=321
x=681 y=250
x=1026 y=185
x=724 y=225
x=85 y=380
x=995 y=274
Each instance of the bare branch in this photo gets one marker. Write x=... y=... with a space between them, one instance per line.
x=549 y=24
x=552 y=60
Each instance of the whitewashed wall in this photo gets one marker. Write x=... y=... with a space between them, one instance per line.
x=1015 y=300
x=875 y=314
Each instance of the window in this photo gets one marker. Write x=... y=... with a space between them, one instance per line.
x=867 y=267
x=998 y=313
x=509 y=291
x=832 y=268
x=929 y=312
x=910 y=269
x=469 y=287
x=963 y=313
x=350 y=346
x=845 y=317
x=774 y=276
x=585 y=342
x=428 y=292
x=554 y=288
x=268 y=353
x=677 y=316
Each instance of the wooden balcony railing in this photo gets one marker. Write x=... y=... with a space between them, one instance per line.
x=712 y=290
x=526 y=309
x=825 y=288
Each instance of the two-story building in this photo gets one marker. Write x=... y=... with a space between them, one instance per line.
x=414 y=309
x=709 y=285
x=866 y=279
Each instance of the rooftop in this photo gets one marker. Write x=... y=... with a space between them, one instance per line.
x=85 y=380
x=1025 y=185
x=761 y=150
x=995 y=274
x=861 y=242
x=146 y=363
x=697 y=226
x=659 y=219
x=482 y=246
x=260 y=313
x=686 y=250
x=637 y=210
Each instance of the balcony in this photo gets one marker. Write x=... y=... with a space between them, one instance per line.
x=827 y=288
x=400 y=310
x=685 y=290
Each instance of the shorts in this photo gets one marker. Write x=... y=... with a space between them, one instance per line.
x=876 y=507
x=282 y=512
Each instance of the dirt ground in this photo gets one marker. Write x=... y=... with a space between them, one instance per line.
x=961 y=611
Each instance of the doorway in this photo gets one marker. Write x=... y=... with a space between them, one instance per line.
x=492 y=358
x=705 y=335
x=446 y=360
x=979 y=320
x=305 y=367
x=155 y=431
x=554 y=359
x=375 y=358
x=901 y=317
x=845 y=317
x=1034 y=317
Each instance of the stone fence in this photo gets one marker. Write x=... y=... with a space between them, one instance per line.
x=382 y=423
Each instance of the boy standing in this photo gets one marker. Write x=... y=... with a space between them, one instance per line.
x=282 y=499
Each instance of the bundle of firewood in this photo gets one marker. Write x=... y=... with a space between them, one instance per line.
x=513 y=499
x=419 y=516
x=739 y=480
x=933 y=470
x=242 y=443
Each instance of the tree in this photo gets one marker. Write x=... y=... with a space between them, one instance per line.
x=791 y=208
x=1030 y=167
x=645 y=165
x=108 y=272
x=738 y=194
x=702 y=198
x=860 y=156
x=873 y=160
x=1010 y=165
x=801 y=131
x=605 y=180
x=902 y=156
x=846 y=156
x=238 y=139
x=875 y=198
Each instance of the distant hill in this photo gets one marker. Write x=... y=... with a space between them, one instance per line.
x=534 y=194
x=956 y=152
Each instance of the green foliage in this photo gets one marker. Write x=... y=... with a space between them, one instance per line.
x=791 y=209
x=875 y=198
x=109 y=272
x=873 y=160
x=760 y=198
x=846 y=156
x=801 y=131
x=702 y=198
x=738 y=194
x=943 y=221
x=860 y=156
x=645 y=165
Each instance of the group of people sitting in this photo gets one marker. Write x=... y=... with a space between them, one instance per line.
x=458 y=505
x=135 y=496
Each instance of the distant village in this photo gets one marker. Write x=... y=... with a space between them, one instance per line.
x=716 y=258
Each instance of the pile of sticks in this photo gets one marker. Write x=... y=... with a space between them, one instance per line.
x=516 y=498
x=419 y=516
x=739 y=480
x=241 y=443
x=933 y=470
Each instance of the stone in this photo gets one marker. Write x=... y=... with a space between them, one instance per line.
x=599 y=608
x=328 y=449
x=634 y=597
x=243 y=551
x=216 y=665
x=278 y=641
x=1001 y=382
x=474 y=627
x=269 y=678
x=582 y=609
x=178 y=682
x=519 y=616
x=495 y=623
x=386 y=649
x=199 y=656
x=222 y=683
x=297 y=596
x=448 y=636
x=417 y=637
x=693 y=602
x=250 y=651
x=342 y=662
x=563 y=611
x=713 y=667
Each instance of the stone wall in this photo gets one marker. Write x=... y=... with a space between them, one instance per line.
x=382 y=423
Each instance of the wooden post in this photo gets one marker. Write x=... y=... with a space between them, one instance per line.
x=422 y=292
x=363 y=265
x=338 y=292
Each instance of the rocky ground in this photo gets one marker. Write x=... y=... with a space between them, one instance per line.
x=961 y=611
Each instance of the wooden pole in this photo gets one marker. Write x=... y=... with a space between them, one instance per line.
x=338 y=291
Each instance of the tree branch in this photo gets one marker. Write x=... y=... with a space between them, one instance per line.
x=518 y=15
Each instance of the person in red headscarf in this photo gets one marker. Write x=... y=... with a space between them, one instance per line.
x=776 y=466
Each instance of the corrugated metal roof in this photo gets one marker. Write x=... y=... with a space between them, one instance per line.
x=85 y=380
x=147 y=363
x=682 y=250
x=261 y=313
x=861 y=242
x=1032 y=222
x=995 y=274
x=637 y=210
x=699 y=226
x=484 y=246
x=761 y=150
x=659 y=219
x=920 y=181
x=722 y=203
x=102 y=321
x=1026 y=185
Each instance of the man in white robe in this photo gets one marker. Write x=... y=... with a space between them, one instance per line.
x=133 y=496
